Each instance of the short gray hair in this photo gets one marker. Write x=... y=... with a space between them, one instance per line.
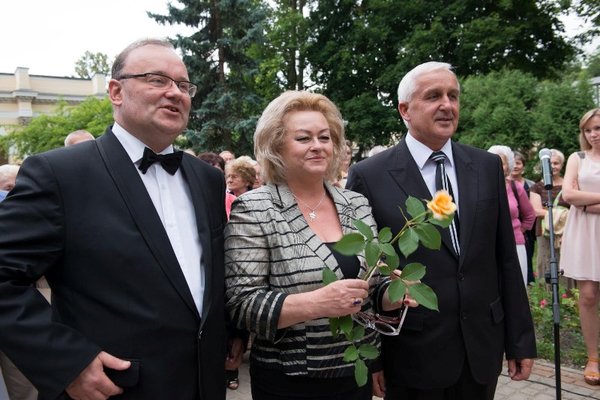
x=408 y=84
x=506 y=152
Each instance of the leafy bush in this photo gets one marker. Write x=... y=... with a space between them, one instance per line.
x=572 y=347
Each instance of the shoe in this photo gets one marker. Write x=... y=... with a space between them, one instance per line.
x=233 y=384
x=591 y=378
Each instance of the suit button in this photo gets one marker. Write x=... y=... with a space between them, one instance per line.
x=200 y=335
x=461 y=277
x=463 y=315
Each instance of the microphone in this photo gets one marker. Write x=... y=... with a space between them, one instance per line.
x=545 y=155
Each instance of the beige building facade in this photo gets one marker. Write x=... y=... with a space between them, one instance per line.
x=24 y=96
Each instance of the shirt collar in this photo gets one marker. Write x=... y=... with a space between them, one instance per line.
x=132 y=145
x=421 y=152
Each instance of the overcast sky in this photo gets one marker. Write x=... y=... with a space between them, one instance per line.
x=49 y=36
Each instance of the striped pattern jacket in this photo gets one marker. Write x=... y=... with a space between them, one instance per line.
x=271 y=252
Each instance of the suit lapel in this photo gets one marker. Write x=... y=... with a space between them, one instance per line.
x=466 y=175
x=406 y=173
x=136 y=198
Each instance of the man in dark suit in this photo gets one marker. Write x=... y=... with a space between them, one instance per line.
x=455 y=353
x=133 y=251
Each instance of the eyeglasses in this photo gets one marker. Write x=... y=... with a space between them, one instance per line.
x=389 y=326
x=161 y=81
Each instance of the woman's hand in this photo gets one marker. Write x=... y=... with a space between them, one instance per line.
x=340 y=298
x=337 y=299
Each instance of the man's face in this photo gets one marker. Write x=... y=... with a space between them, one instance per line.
x=433 y=111
x=154 y=115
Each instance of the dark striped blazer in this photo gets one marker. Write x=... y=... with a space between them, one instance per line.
x=271 y=252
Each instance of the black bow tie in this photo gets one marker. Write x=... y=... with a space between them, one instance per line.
x=170 y=162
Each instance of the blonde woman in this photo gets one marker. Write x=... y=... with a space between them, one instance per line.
x=580 y=258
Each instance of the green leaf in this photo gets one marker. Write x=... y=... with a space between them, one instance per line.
x=372 y=253
x=350 y=244
x=424 y=295
x=364 y=229
x=360 y=372
x=334 y=326
x=385 y=235
x=408 y=242
x=443 y=223
x=328 y=276
x=393 y=260
x=346 y=325
x=368 y=351
x=358 y=332
x=413 y=272
x=385 y=269
x=396 y=290
x=351 y=353
x=415 y=208
x=388 y=249
x=429 y=236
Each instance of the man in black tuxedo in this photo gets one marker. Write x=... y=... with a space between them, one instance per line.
x=455 y=353
x=133 y=251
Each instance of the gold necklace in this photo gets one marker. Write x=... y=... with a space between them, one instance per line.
x=312 y=214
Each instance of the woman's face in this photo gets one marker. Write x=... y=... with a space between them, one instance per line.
x=556 y=165
x=307 y=147
x=518 y=168
x=591 y=130
x=235 y=183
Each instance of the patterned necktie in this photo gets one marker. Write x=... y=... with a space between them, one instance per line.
x=170 y=162
x=443 y=183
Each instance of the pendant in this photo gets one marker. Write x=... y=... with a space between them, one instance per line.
x=312 y=215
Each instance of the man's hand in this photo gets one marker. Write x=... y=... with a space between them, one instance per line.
x=234 y=354
x=519 y=370
x=378 y=384
x=92 y=383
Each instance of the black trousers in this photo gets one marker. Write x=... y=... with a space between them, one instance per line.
x=466 y=388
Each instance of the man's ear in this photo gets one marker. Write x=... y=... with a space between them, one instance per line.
x=403 y=110
x=115 y=92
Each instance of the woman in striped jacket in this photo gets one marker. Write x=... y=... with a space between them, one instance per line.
x=278 y=240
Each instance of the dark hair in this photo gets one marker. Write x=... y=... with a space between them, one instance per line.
x=213 y=159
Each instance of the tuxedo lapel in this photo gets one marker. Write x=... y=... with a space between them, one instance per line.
x=137 y=200
x=201 y=209
x=466 y=175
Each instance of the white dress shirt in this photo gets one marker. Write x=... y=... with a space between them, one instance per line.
x=172 y=200
x=427 y=166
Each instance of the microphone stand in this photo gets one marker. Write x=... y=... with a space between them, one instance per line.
x=552 y=277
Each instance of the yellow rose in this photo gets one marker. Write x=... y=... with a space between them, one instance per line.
x=441 y=205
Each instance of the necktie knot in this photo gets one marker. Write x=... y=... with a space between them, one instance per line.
x=170 y=162
x=438 y=156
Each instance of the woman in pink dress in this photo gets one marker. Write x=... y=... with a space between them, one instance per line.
x=580 y=257
x=521 y=210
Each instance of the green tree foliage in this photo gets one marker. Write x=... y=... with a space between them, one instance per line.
x=287 y=41
x=515 y=109
x=559 y=108
x=46 y=132
x=589 y=10
x=361 y=49
x=91 y=64
x=218 y=57
x=496 y=109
